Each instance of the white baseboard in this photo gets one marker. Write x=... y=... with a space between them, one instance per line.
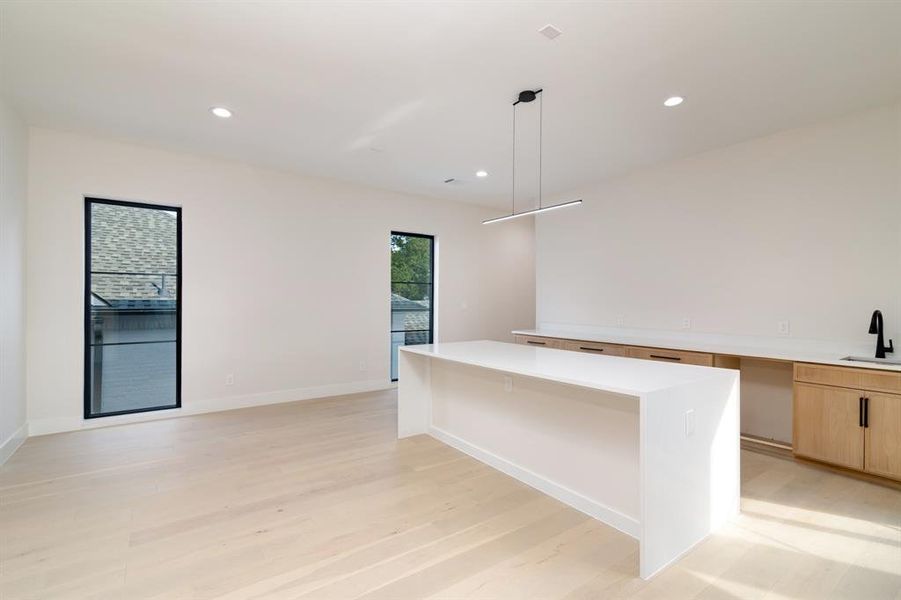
x=197 y=407
x=599 y=511
x=12 y=443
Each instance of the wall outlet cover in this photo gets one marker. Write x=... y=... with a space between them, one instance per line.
x=689 y=422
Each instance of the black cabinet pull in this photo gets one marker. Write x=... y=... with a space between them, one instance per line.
x=860 y=412
x=586 y=348
x=866 y=412
x=536 y=343
x=662 y=357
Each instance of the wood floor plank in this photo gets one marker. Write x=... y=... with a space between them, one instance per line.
x=318 y=499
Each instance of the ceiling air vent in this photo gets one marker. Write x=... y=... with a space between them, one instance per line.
x=549 y=31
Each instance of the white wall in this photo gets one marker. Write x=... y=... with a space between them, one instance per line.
x=13 y=152
x=803 y=226
x=286 y=278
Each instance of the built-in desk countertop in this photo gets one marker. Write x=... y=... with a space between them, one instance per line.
x=824 y=352
x=650 y=448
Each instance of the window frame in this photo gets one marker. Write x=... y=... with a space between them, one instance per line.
x=431 y=284
x=89 y=201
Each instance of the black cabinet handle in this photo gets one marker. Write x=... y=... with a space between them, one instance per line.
x=866 y=412
x=536 y=343
x=860 y=412
x=662 y=357
x=587 y=349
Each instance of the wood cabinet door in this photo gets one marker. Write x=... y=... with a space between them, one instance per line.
x=826 y=423
x=883 y=436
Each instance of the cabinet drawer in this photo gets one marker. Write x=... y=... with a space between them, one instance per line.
x=674 y=356
x=849 y=377
x=595 y=348
x=534 y=340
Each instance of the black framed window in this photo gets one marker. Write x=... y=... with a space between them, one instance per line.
x=132 y=312
x=412 y=292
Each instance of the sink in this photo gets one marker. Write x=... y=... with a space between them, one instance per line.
x=878 y=361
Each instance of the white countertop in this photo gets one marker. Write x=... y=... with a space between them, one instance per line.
x=606 y=373
x=787 y=349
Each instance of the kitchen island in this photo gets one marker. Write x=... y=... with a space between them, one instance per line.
x=649 y=448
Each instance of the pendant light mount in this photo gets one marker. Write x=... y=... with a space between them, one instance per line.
x=526 y=96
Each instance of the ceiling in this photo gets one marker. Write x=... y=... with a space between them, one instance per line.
x=403 y=95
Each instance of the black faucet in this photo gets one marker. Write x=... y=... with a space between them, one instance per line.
x=876 y=327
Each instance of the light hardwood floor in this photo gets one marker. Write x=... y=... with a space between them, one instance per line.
x=319 y=500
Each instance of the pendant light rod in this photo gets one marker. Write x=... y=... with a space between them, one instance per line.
x=534 y=211
x=513 y=185
x=540 y=127
x=524 y=97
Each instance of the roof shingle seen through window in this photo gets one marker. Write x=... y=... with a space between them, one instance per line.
x=126 y=239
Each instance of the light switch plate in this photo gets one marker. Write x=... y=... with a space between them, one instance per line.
x=689 y=422
x=508 y=384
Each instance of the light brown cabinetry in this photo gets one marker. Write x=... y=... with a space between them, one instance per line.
x=883 y=435
x=826 y=425
x=534 y=340
x=676 y=356
x=849 y=377
x=659 y=354
x=842 y=417
x=595 y=348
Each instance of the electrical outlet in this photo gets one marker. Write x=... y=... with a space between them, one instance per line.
x=508 y=384
x=784 y=327
x=230 y=379
x=689 y=422
x=686 y=323
x=362 y=365
x=620 y=320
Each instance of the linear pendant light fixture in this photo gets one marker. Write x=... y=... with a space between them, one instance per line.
x=529 y=96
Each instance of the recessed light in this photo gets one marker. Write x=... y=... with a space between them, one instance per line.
x=673 y=101
x=481 y=173
x=221 y=112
